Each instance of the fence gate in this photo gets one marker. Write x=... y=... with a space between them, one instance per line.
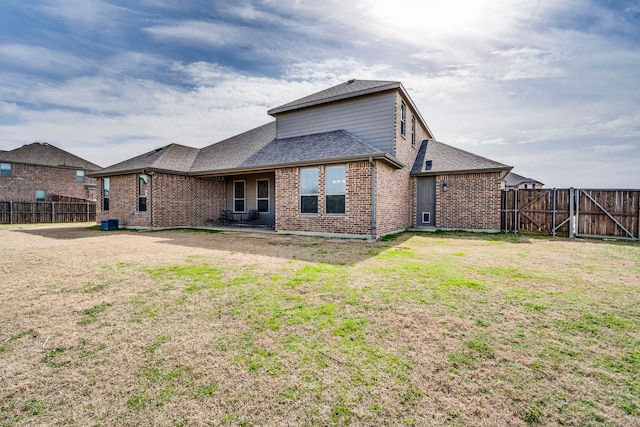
x=572 y=212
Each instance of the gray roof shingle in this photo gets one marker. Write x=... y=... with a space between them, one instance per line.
x=170 y=158
x=446 y=159
x=344 y=90
x=45 y=154
x=258 y=149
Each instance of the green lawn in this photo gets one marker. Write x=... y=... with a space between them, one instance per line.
x=421 y=329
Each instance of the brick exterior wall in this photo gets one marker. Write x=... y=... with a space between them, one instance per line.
x=176 y=200
x=356 y=220
x=25 y=179
x=471 y=202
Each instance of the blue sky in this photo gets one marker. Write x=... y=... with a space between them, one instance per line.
x=550 y=87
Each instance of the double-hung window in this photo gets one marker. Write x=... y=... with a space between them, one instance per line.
x=105 y=193
x=5 y=169
x=143 y=184
x=309 y=190
x=80 y=176
x=335 y=189
x=40 y=195
x=403 y=119
x=238 y=196
x=262 y=195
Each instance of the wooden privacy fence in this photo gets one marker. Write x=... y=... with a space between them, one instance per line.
x=572 y=212
x=38 y=212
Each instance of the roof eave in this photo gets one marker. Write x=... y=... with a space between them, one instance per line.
x=253 y=169
x=148 y=170
x=504 y=170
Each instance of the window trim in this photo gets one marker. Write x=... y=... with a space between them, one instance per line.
x=142 y=196
x=316 y=194
x=79 y=175
x=413 y=131
x=268 y=198
x=403 y=118
x=243 y=198
x=43 y=198
x=106 y=197
x=327 y=194
x=4 y=169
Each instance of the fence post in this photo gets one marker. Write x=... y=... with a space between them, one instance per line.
x=553 y=214
x=571 y=211
x=53 y=212
x=87 y=211
x=11 y=212
x=516 y=220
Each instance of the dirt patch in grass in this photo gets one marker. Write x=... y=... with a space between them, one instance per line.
x=190 y=328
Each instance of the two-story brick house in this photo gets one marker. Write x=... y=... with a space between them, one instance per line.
x=357 y=159
x=41 y=172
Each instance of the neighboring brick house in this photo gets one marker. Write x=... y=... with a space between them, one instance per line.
x=513 y=180
x=356 y=159
x=41 y=172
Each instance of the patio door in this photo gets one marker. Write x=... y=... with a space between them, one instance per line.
x=426 y=203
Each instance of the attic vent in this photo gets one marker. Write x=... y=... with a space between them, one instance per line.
x=428 y=164
x=157 y=150
x=351 y=81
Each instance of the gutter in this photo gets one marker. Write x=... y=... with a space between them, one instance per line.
x=374 y=231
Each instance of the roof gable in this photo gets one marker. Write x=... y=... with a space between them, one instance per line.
x=513 y=179
x=445 y=159
x=45 y=154
x=349 y=89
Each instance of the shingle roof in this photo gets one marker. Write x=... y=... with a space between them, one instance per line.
x=44 y=154
x=170 y=158
x=344 y=90
x=513 y=179
x=258 y=149
x=232 y=152
x=445 y=159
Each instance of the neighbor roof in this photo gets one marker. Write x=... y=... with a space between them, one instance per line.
x=45 y=154
x=173 y=158
x=513 y=179
x=349 y=89
x=445 y=159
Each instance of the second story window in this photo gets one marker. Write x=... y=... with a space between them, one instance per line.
x=403 y=119
x=413 y=131
x=5 y=169
x=40 y=195
x=80 y=176
x=105 y=193
x=309 y=190
x=143 y=184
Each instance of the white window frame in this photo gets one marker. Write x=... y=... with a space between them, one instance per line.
x=258 y=198
x=79 y=176
x=413 y=131
x=327 y=193
x=243 y=198
x=403 y=118
x=140 y=193
x=105 y=196
x=316 y=194
x=4 y=167
x=43 y=198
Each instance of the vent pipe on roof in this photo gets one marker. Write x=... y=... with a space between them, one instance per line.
x=351 y=81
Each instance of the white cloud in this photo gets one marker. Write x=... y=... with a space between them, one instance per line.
x=40 y=58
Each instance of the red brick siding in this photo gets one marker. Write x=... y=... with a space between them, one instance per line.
x=176 y=200
x=356 y=221
x=472 y=201
x=25 y=179
x=182 y=200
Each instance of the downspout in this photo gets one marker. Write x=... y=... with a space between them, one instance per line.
x=374 y=231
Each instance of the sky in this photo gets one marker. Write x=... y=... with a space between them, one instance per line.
x=549 y=87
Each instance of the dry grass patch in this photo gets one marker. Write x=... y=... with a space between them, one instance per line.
x=187 y=328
